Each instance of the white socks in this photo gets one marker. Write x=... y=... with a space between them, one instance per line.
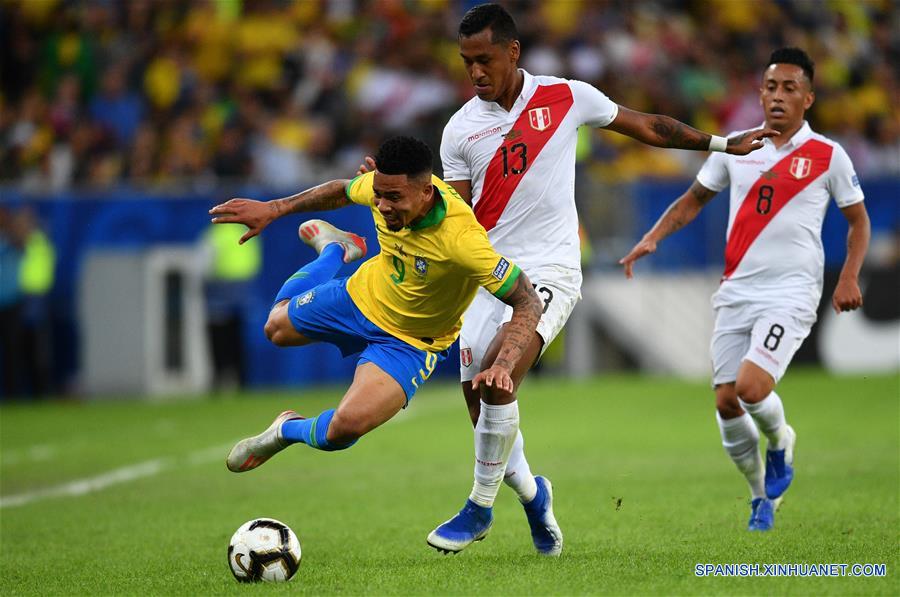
x=495 y=434
x=741 y=440
x=518 y=473
x=769 y=416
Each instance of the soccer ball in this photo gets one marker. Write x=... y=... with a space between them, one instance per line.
x=264 y=549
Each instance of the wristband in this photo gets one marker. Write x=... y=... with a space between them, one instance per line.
x=717 y=143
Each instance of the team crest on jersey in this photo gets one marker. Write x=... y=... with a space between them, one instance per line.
x=539 y=118
x=800 y=167
x=306 y=298
x=465 y=357
x=421 y=266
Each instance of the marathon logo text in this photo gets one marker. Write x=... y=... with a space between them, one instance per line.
x=501 y=268
x=484 y=133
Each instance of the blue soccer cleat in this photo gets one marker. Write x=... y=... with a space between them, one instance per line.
x=545 y=531
x=471 y=524
x=762 y=515
x=779 y=467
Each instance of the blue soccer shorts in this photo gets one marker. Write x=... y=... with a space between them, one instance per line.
x=327 y=313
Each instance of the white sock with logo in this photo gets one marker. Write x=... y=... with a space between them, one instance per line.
x=740 y=438
x=769 y=416
x=495 y=434
x=518 y=473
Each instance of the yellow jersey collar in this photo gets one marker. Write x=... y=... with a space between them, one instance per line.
x=435 y=215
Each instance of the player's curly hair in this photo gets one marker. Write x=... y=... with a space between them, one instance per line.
x=503 y=27
x=404 y=155
x=794 y=56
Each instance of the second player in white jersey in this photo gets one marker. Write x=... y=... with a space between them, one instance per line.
x=772 y=283
x=778 y=200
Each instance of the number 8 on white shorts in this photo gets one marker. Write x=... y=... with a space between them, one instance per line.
x=773 y=342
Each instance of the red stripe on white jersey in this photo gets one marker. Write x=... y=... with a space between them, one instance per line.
x=534 y=127
x=785 y=180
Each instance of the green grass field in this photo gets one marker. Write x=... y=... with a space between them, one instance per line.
x=134 y=498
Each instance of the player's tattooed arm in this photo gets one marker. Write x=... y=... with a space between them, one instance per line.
x=673 y=133
x=256 y=215
x=527 y=309
x=664 y=131
x=682 y=211
x=658 y=130
x=324 y=197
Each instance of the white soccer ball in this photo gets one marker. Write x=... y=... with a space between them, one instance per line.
x=264 y=549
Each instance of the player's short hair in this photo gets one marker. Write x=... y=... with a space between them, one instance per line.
x=503 y=27
x=404 y=155
x=794 y=56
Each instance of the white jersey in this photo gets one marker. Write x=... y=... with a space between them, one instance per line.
x=521 y=165
x=779 y=197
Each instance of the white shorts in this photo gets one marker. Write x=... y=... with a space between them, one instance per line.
x=760 y=333
x=558 y=287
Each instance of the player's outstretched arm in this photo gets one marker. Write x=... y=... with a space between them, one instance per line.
x=682 y=211
x=847 y=295
x=665 y=131
x=256 y=215
x=526 y=314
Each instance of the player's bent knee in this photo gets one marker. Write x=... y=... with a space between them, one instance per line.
x=492 y=395
x=753 y=382
x=274 y=332
x=727 y=403
x=345 y=429
x=752 y=390
x=270 y=330
x=728 y=410
x=278 y=328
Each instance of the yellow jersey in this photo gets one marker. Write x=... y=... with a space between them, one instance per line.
x=427 y=274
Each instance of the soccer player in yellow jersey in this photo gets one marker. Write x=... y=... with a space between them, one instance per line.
x=400 y=311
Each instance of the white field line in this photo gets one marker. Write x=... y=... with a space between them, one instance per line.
x=87 y=485
x=125 y=474
x=149 y=468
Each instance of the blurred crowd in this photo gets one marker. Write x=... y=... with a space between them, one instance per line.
x=98 y=93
